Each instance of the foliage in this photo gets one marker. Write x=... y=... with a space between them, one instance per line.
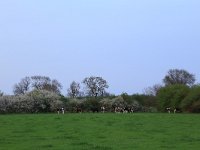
x=74 y=89
x=153 y=91
x=23 y=86
x=144 y=100
x=171 y=96
x=95 y=86
x=42 y=94
x=73 y=104
x=91 y=105
x=191 y=103
x=28 y=84
x=107 y=103
x=176 y=76
x=119 y=102
x=111 y=104
x=32 y=102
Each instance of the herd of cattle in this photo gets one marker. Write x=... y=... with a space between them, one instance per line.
x=115 y=110
x=175 y=110
x=102 y=109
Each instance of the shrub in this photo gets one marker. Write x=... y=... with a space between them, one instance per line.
x=191 y=103
x=107 y=103
x=33 y=102
x=171 y=96
x=74 y=104
x=92 y=105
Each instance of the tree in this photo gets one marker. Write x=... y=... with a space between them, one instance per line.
x=44 y=101
x=176 y=76
x=53 y=86
x=191 y=103
x=37 y=83
x=152 y=91
x=45 y=83
x=40 y=82
x=92 y=104
x=172 y=96
x=95 y=86
x=74 y=89
x=22 y=87
x=31 y=102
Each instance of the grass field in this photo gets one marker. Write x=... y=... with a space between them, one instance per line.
x=100 y=131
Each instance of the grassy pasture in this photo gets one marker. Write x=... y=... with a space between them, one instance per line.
x=100 y=131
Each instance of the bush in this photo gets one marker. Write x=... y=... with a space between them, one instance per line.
x=92 y=105
x=33 y=102
x=107 y=103
x=74 y=104
x=171 y=96
x=191 y=103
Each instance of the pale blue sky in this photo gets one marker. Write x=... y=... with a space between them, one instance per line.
x=130 y=43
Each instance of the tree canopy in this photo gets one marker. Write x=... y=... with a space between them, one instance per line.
x=179 y=76
x=37 y=83
x=95 y=86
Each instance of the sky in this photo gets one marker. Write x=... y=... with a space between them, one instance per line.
x=130 y=43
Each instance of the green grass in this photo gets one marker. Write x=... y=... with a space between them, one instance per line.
x=100 y=131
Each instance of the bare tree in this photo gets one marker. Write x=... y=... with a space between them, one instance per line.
x=95 y=86
x=55 y=86
x=40 y=82
x=74 y=89
x=153 y=90
x=176 y=76
x=22 y=87
x=37 y=82
x=45 y=83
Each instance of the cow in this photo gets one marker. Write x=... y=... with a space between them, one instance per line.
x=168 y=110
x=63 y=111
x=102 y=109
x=59 y=110
x=119 y=110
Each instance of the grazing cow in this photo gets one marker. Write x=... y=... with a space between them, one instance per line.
x=116 y=109
x=177 y=110
x=174 y=110
x=125 y=110
x=102 y=109
x=131 y=110
x=58 y=110
x=119 y=110
x=128 y=110
x=63 y=111
x=168 y=110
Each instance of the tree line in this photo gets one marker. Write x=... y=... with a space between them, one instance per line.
x=94 y=86
x=34 y=94
x=178 y=92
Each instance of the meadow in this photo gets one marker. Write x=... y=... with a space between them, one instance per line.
x=89 y=131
